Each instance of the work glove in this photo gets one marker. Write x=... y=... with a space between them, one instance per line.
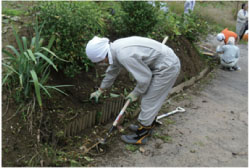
x=132 y=97
x=96 y=95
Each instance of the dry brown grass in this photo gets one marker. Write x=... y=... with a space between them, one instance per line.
x=215 y=12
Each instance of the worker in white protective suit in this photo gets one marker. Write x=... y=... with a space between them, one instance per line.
x=189 y=6
x=230 y=55
x=242 y=19
x=154 y=66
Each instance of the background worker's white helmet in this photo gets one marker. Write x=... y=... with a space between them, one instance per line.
x=220 y=37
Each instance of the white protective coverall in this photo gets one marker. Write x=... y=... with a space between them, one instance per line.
x=189 y=5
x=230 y=56
x=154 y=66
x=242 y=18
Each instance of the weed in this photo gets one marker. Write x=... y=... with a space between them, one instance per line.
x=74 y=163
x=165 y=138
x=12 y=12
x=26 y=69
x=168 y=121
x=199 y=143
x=131 y=147
x=243 y=42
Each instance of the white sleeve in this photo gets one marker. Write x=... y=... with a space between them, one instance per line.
x=220 y=49
x=110 y=76
x=241 y=15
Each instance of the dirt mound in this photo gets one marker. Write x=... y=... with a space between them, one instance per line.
x=191 y=62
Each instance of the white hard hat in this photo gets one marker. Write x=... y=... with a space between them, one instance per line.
x=220 y=37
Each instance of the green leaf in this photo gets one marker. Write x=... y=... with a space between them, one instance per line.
x=9 y=67
x=46 y=91
x=56 y=88
x=14 y=50
x=51 y=41
x=32 y=44
x=88 y=159
x=44 y=48
x=25 y=44
x=8 y=53
x=32 y=56
x=114 y=95
x=26 y=55
x=6 y=77
x=37 y=36
x=37 y=87
x=21 y=80
x=18 y=40
x=47 y=59
x=131 y=147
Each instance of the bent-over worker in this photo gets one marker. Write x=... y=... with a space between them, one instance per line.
x=154 y=66
x=225 y=34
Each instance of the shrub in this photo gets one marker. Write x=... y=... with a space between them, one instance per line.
x=191 y=26
x=27 y=69
x=139 y=18
x=73 y=24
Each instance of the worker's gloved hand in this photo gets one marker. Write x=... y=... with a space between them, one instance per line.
x=96 y=95
x=132 y=97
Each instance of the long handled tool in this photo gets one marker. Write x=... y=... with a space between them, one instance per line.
x=115 y=123
x=177 y=110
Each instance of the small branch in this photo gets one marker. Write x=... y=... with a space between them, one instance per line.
x=207 y=53
x=20 y=158
x=14 y=114
x=207 y=49
x=73 y=117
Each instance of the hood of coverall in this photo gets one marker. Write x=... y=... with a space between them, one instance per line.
x=97 y=49
x=231 y=41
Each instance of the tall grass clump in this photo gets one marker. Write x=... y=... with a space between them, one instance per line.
x=26 y=69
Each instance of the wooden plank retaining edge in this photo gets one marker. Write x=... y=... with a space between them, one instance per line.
x=188 y=83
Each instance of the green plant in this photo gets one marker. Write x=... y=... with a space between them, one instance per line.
x=131 y=147
x=13 y=12
x=27 y=69
x=139 y=18
x=165 y=138
x=73 y=24
x=193 y=26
